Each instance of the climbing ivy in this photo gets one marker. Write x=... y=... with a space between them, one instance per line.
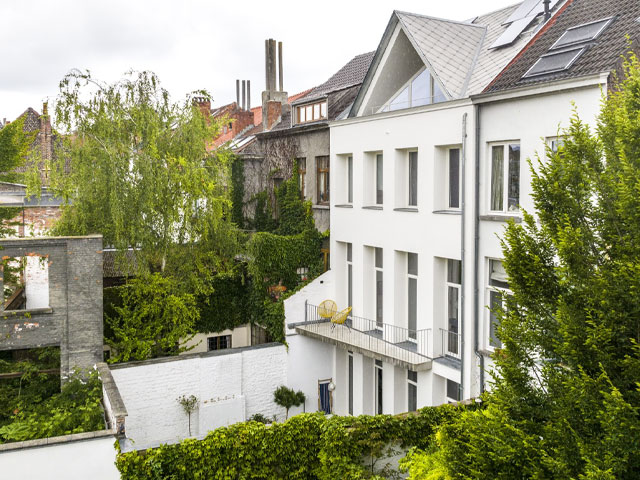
x=307 y=446
x=237 y=192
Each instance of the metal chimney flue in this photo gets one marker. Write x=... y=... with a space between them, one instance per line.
x=547 y=11
x=238 y=93
x=280 y=65
x=244 y=95
x=248 y=94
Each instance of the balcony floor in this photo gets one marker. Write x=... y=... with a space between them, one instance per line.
x=369 y=345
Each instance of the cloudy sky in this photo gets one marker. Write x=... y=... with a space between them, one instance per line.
x=192 y=44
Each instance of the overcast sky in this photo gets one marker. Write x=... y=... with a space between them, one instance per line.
x=192 y=44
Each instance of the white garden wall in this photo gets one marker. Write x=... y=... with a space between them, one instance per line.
x=231 y=386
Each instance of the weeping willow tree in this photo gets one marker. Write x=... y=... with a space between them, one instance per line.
x=139 y=169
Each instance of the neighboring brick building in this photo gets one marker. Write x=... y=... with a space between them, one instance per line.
x=37 y=216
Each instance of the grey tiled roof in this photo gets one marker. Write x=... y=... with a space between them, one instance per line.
x=602 y=55
x=349 y=75
x=448 y=47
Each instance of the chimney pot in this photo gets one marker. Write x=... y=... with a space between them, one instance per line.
x=248 y=94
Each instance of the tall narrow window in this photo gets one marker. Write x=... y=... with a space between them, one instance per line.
x=498 y=290
x=323 y=180
x=412 y=391
x=505 y=178
x=452 y=337
x=350 y=380
x=302 y=173
x=350 y=179
x=454 y=178
x=349 y=275
x=412 y=294
x=379 y=178
x=453 y=391
x=413 y=179
x=377 y=369
x=379 y=287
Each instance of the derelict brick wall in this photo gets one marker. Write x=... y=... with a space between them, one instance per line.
x=74 y=319
x=231 y=386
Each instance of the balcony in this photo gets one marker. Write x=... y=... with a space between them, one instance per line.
x=396 y=345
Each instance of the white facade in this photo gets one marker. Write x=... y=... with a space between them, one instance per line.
x=420 y=197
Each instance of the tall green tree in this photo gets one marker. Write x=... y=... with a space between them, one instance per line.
x=15 y=147
x=138 y=169
x=566 y=398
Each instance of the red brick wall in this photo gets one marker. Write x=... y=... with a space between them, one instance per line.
x=36 y=221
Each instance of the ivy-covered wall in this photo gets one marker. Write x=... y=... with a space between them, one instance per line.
x=307 y=446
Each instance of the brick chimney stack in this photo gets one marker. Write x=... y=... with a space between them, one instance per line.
x=274 y=100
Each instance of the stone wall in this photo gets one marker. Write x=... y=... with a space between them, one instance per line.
x=230 y=385
x=73 y=318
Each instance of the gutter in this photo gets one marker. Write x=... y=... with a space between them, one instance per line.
x=476 y=248
x=462 y=249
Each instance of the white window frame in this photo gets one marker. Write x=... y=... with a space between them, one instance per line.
x=503 y=291
x=377 y=270
x=505 y=177
x=432 y=92
x=458 y=287
x=415 y=384
x=448 y=184
x=408 y=179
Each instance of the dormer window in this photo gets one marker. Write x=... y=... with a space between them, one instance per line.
x=421 y=89
x=312 y=112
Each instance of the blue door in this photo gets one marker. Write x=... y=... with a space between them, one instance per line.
x=325 y=397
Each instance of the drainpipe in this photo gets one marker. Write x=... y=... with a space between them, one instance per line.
x=476 y=248
x=462 y=256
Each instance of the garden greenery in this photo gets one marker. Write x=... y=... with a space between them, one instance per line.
x=307 y=446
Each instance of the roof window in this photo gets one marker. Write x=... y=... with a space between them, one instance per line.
x=582 y=33
x=555 y=62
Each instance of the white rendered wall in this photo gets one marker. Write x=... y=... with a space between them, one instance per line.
x=81 y=460
x=231 y=386
x=37 y=281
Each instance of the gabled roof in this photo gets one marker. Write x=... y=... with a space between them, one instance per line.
x=447 y=48
x=459 y=55
x=602 y=55
x=349 y=75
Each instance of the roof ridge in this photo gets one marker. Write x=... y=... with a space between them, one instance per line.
x=439 y=19
x=497 y=10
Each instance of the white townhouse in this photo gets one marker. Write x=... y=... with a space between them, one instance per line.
x=428 y=165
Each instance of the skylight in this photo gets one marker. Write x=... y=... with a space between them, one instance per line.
x=555 y=62
x=582 y=33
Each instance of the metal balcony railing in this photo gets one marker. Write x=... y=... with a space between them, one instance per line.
x=451 y=343
x=399 y=345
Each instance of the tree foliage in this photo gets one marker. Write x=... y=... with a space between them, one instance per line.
x=137 y=169
x=15 y=146
x=150 y=319
x=287 y=398
x=566 y=398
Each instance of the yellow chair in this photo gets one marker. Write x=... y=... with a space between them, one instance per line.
x=327 y=309
x=340 y=318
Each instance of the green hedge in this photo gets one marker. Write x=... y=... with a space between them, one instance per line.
x=307 y=446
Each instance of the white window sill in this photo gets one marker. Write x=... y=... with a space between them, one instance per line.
x=26 y=313
x=372 y=207
x=406 y=209
x=501 y=217
x=448 y=212
x=344 y=205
